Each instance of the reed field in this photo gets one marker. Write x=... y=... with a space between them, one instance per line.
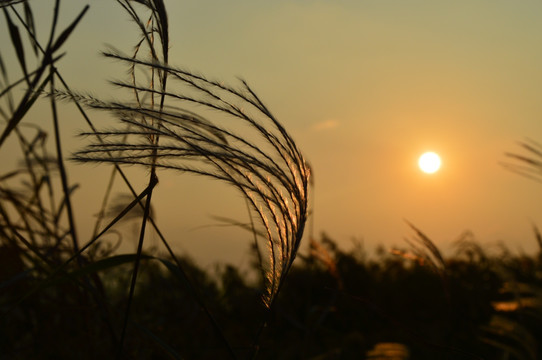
x=65 y=296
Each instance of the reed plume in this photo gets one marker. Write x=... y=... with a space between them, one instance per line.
x=208 y=128
x=529 y=164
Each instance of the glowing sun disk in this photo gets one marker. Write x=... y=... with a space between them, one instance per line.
x=429 y=162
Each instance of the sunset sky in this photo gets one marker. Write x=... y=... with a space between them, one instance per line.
x=364 y=87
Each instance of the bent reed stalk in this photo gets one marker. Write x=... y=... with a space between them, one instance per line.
x=177 y=120
x=261 y=160
x=274 y=180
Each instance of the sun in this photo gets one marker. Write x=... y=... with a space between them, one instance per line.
x=429 y=162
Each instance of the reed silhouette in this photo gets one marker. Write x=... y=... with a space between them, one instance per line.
x=238 y=142
x=64 y=297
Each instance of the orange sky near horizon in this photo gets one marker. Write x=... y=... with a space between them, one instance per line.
x=365 y=87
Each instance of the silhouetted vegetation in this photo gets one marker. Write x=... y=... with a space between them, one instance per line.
x=65 y=298
x=335 y=305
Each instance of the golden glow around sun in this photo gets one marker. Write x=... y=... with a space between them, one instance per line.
x=429 y=162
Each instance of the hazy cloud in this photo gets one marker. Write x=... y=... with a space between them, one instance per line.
x=325 y=125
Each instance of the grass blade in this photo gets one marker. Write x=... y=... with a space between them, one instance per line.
x=29 y=18
x=25 y=105
x=17 y=44
x=67 y=32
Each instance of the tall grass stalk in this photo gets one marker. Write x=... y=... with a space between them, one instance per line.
x=178 y=121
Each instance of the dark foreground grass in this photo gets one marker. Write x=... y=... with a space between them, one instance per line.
x=176 y=120
x=63 y=296
x=335 y=305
